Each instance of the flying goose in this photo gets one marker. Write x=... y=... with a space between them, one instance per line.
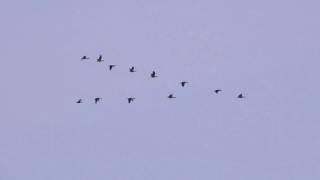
x=84 y=58
x=153 y=74
x=131 y=99
x=217 y=91
x=111 y=67
x=183 y=83
x=100 y=58
x=132 y=69
x=240 y=96
x=79 y=101
x=171 y=96
x=96 y=100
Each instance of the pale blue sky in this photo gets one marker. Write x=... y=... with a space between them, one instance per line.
x=267 y=49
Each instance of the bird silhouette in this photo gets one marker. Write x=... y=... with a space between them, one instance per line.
x=79 y=101
x=100 y=58
x=84 y=58
x=171 y=96
x=217 y=91
x=111 y=67
x=183 y=83
x=131 y=99
x=96 y=100
x=240 y=96
x=153 y=74
x=132 y=69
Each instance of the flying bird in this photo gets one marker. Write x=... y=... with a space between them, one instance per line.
x=171 y=96
x=131 y=99
x=96 y=100
x=79 y=101
x=153 y=74
x=111 y=67
x=240 y=96
x=132 y=69
x=183 y=83
x=99 y=59
x=84 y=58
x=217 y=91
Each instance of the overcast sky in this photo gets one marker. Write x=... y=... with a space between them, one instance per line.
x=268 y=50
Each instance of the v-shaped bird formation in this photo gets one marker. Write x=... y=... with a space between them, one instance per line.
x=153 y=74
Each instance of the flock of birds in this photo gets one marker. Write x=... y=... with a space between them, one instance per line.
x=152 y=75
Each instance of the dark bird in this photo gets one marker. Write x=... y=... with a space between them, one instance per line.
x=217 y=91
x=240 y=96
x=79 y=101
x=171 y=96
x=183 y=83
x=153 y=74
x=111 y=67
x=96 y=100
x=132 y=69
x=84 y=58
x=99 y=59
x=130 y=99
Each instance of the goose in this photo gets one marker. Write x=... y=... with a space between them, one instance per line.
x=132 y=69
x=84 y=58
x=153 y=74
x=171 y=96
x=100 y=58
x=79 y=101
x=111 y=67
x=183 y=83
x=130 y=99
x=240 y=96
x=96 y=100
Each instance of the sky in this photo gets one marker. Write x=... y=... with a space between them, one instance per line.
x=268 y=50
